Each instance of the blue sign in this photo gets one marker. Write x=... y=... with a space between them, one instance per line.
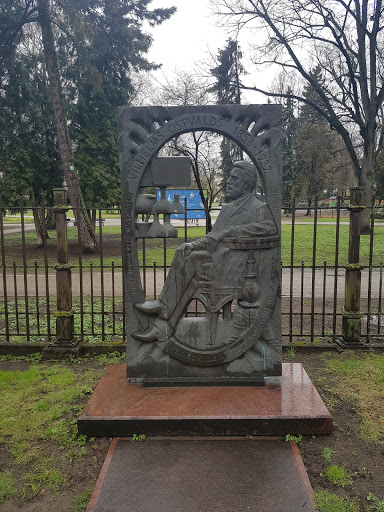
x=195 y=207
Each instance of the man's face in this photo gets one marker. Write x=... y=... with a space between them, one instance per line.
x=236 y=186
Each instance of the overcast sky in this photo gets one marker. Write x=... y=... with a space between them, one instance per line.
x=187 y=35
x=187 y=38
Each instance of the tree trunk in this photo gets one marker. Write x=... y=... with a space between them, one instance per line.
x=366 y=182
x=92 y=216
x=207 y=216
x=37 y=221
x=64 y=142
x=196 y=174
x=50 y=218
x=308 y=212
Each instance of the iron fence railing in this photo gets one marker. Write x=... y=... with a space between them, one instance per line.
x=312 y=290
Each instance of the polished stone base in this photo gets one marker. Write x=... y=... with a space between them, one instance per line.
x=285 y=405
x=197 y=475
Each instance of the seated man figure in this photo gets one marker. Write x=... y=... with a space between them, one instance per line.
x=194 y=263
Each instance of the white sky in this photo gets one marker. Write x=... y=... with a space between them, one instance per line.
x=188 y=37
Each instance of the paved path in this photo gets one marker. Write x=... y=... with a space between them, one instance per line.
x=215 y=475
x=16 y=228
x=107 y=276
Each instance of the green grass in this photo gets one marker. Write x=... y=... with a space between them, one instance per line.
x=303 y=252
x=328 y=454
x=303 y=248
x=326 y=245
x=81 y=501
x=330 y=502
x=319 y=219
x=37 y=404
x=40 y=405
x=297 y=438
x=92 y=318
x=105 y=214
x=8 y=486
x=339 y=476
x=45 y=476
x=375 y=504
x=38 y=419
x=360 y=381
x=16 y=220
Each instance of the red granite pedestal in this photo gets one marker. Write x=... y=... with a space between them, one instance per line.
x=285 y=405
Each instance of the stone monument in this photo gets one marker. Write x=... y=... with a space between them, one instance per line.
x=234 y=271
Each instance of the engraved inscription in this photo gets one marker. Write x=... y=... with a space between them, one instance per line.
x=128 y=243
x=195 y=122
x=251 y=142
x=193 y=357
x=145 y=152
x=274 y=204
x=199 y=120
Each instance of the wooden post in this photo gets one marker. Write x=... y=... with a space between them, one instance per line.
x=64 y=313
x=351 y=312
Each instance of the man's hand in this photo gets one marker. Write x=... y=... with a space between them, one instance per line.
x=206 y=243
x=186 y=249
x=201 y=244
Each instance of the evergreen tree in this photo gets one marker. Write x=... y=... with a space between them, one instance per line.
x=96 y=155
x=227 y=89
x=227 y=74
x=90 y=40
x=314 y=143
x=289 y=150
x=28 y=156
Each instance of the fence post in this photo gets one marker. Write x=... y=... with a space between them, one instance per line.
x=351 y=323
x=64 y=313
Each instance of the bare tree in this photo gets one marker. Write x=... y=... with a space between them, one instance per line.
x=345 y=38
x=186 y=88
x=281 y=83
x=313 y=159
x=202 y=147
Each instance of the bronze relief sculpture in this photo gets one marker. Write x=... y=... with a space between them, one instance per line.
x=234 y=271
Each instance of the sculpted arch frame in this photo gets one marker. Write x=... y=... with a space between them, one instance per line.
x=142 y=132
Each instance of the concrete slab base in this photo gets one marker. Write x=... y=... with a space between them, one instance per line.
x=200 y=475
x=285 y=405
x=62 y=351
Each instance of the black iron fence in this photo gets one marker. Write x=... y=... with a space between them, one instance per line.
x=313 y=289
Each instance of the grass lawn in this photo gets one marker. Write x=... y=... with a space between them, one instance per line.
x=46 y=465
x=303 y=248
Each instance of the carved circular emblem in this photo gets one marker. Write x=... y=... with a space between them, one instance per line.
x=219 y=337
